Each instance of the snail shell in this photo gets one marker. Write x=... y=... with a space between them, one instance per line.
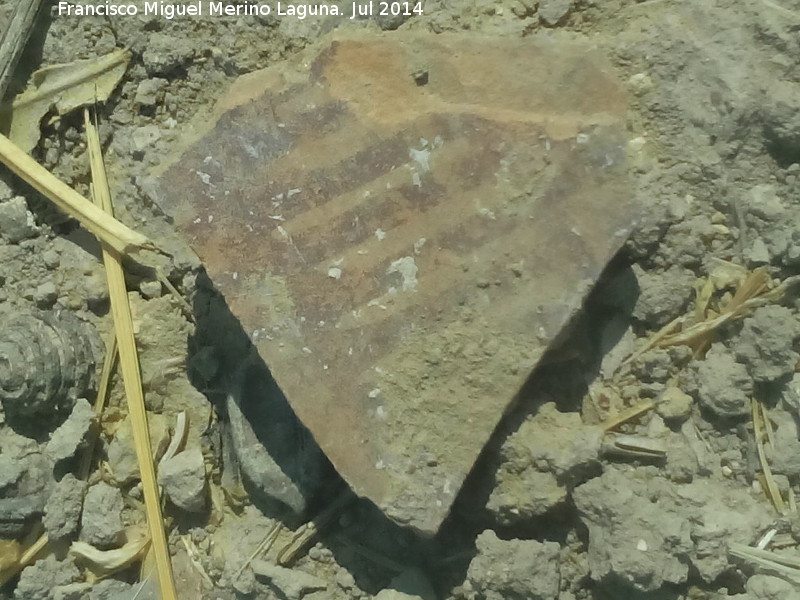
x=47 y=361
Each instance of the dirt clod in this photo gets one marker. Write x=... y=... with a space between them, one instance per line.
x=722 y=384
x=515 y=569
x=765 y=344
x=101 y=521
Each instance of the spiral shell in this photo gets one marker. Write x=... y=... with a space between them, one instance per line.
x=47 y=360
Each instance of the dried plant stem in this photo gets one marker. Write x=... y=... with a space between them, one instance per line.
x=111 y=232
x=761 y=427
x=109 y=364
x=131 y=375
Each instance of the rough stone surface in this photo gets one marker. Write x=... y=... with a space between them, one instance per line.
x=111 y=589
x=122 y=454
x=515 y=569
x=292 y=583
x=39 y=579
x=767 y=587
x=645 y=531
x=662 y=297
x=163 y=55
x=70 y=436
x=518 y=497
x=24 y=482
x=16 y=221
x=674 y=404
x=184 y=479
x=765 y=343
x=556 y=442
x=791 y=395
x=101 y=523
x=721 y=384
x=72 y=591
x=624 y=541
x=149 y=91
x=553 y=11
x=408 y=294
x=291 y=466
x=786 y=459
x=62 y=513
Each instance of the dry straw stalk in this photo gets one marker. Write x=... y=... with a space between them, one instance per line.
x=131 y=373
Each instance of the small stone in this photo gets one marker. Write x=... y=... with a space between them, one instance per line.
x=62 y=512
x=184 y=479
x=16 y=221
x=71 y=435
x=515 y=568
x=663 y=296
x=766 y=341
x=758 y=253
x=682 y=464
x=723 y=385
x=654 y=365
x=640 y=83
x=5 y=191
x=45 y=295
x=675 y=404
x=121 y=454
x=164 y=53
x=144 y=137
x=551 y=12
x=345 y=580
x=112 y=589
x=555 y=442
x=95 y=288
x=149 y=90
x=765 y=203
x=101 y=523
x=151 y=288
x=786 y=450
x=519 y=498
x=72 y=591
x=23 y=489
x=38 y=581
x=52 y=259
x=767 y=587
x=293 y=583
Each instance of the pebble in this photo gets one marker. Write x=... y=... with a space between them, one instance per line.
x=151 y=288
x=767 y=587
x=184 y=479
x=148 y=91
x=65 y=441
x=144 y=137
x=121 y=454
x=552 y=11
x=101 y=523
x=723 y=385
x=515 y=568
x=38 y=581
x=45 y=294
x=62 y=512
x=674 y=404
x=765 y=344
